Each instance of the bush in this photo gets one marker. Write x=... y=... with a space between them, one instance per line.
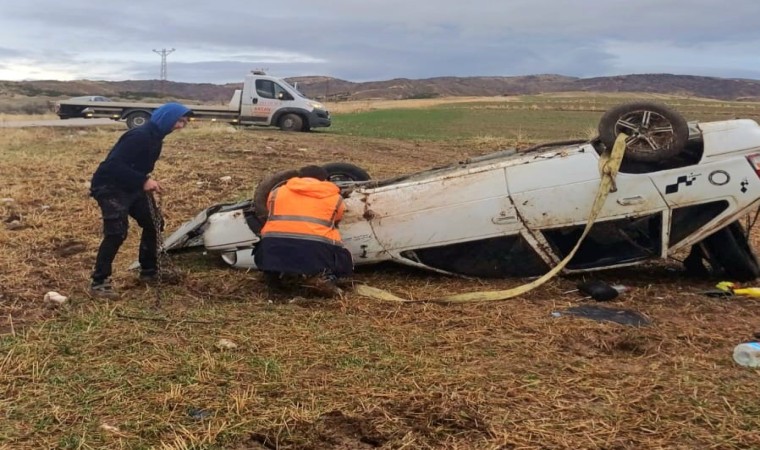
x=423 y=95
x=26 y=106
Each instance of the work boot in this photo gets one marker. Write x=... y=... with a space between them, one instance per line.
x=103 y=289
x=150 y=277
x=323 y=285
x=345 y=283
x=277 y=290
x=153 y=278
x=273 y=280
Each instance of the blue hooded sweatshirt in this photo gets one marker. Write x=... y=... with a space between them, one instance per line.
x=133 y=157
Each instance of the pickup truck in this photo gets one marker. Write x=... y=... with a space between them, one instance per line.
x=264 y=100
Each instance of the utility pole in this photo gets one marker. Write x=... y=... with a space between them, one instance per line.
x=163 y=52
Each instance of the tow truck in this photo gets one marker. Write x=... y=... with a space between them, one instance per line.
x=264 y=100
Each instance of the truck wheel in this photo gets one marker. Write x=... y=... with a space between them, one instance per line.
x=656 y=132
x=291 y=122
x=137 y=119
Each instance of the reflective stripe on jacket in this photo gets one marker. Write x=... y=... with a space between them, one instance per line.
x=305 y=208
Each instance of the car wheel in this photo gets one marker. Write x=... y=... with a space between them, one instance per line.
x=137 y=119
x=728 y=252
x=261 y=194
x=336 y=172
x=345 y=172
x=291 y=122
x=656 y=132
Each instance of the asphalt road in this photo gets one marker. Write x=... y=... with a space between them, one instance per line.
x=58 y=123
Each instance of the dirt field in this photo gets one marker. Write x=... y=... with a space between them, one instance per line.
x=146 y=372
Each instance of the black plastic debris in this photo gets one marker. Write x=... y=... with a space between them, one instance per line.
x=599 y=290
x=718 y=293
x=605 y=314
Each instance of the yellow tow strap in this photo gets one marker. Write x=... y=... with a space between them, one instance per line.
x=609 y=164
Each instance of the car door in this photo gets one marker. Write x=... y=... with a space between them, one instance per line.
x=460 y=221
x=554 y=195
x=457 y=206
x=267 y=97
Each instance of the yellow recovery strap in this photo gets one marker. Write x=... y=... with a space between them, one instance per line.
x=609 y=164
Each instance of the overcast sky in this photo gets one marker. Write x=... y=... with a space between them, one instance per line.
x=364 y=40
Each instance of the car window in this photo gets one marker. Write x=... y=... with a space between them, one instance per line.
x=688 y=219
x=497 y=257
x=281 y=93
x=265 y=88
x=270 y=89
x=610 y=242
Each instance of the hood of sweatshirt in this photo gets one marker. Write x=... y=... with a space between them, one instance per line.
x=311 y=187
x=167 y=115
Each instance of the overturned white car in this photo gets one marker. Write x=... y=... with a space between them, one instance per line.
x=514 y=213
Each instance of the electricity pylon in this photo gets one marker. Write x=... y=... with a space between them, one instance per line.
x=163 y=52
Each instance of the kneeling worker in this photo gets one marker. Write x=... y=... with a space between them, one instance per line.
x=300 y=237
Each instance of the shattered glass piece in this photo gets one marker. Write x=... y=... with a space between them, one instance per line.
x=198 y=413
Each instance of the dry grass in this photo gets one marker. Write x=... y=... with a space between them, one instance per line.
x=13 y=117
x=144 y=371
x=370 y=105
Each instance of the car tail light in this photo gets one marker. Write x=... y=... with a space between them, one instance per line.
x=754 y=160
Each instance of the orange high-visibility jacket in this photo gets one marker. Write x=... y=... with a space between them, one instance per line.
x=305 y=208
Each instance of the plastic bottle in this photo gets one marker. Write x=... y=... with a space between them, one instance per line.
x=747 y=354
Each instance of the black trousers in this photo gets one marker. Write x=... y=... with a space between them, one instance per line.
x=116 y=207
x=302 y=257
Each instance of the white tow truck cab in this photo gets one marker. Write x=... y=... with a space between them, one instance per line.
x=264 y=100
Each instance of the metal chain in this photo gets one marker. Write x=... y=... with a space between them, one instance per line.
x=166 y=270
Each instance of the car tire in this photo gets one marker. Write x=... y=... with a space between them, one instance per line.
x=657 y=132
x=261 y=193
x=336 y=172
x=137 y=118
x=729 y=253
x=341 y=171
x=291 y=122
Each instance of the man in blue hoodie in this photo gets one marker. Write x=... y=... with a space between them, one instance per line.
x=122 y=187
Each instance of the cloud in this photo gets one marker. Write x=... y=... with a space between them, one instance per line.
x=373 y=40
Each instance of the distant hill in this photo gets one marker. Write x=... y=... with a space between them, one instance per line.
x=334 y=89
x=685 y=85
